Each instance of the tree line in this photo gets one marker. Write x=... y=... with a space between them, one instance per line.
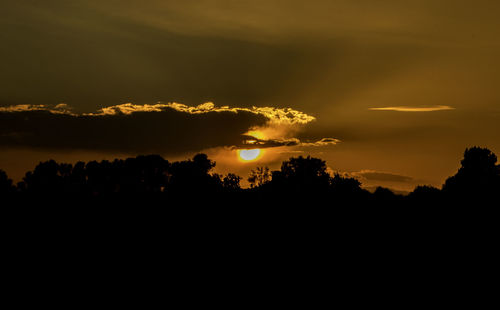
x=298 y=179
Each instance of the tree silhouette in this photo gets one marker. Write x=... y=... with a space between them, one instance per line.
x=345 y=186
x=78 y=179
x=384 y=195
x=48 y=178
x=193 y=176
x=231 y=182
x=422 y=194
x=6 y=187
x=302 y=174
x=259 y=176
x=145 y=174
x=478 y=176
x=300 y=179
x=100 y=178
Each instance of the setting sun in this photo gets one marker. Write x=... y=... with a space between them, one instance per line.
x=249 y=155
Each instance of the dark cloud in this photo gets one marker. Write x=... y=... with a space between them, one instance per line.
x=167 y=131
x=252 y=142
x=171 y=128
x=383 y=176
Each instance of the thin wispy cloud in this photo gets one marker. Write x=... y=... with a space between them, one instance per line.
x=322 y=142
x=373 y=175
x=251 y=141
x=415 y=109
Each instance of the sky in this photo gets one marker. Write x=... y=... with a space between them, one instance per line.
x=388 y=91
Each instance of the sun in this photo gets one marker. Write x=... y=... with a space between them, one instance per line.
x=249 y=155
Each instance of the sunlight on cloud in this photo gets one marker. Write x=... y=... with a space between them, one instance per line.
x=255 y=128
x=23 y=108
x=279 y=131
x=285 y=116
x=415 y=109
x=61 y=108
x=322 y=142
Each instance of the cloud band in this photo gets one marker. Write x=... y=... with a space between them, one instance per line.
x=415 y=109
x=170 y=128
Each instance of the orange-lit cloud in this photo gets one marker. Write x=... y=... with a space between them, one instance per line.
x=171 y=128
x=251 y=141
x=322 y=142
x=415 y=109
x=61 y=108
x=280 y=116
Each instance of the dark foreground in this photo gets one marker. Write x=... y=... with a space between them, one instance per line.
x=133 y=224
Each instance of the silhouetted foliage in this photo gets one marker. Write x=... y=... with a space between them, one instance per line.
x=300 y=179
x=345 y=186
x=478 y=177
x=48 y=178
x=231 y=182
x=6 y=187
x=385 y=196
x=259 y=176
x=302 y=174
x=193 y=176
x=422 y=194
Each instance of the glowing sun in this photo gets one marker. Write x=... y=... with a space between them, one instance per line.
x=249 y=155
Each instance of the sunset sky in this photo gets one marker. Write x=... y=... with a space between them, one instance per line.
x=389 y=91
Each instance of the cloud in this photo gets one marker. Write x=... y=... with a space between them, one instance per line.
x=166 y=128
x=22 y=108
x=125 y=128
x=322 y=142
x=415 y=109
x=372 y=175
x=253 y=142
x=61 y=108
x=280 y=116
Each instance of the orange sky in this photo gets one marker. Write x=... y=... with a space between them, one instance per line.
x=400 y=88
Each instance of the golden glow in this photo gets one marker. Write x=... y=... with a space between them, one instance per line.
x=249 y=155
x=256 y=134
